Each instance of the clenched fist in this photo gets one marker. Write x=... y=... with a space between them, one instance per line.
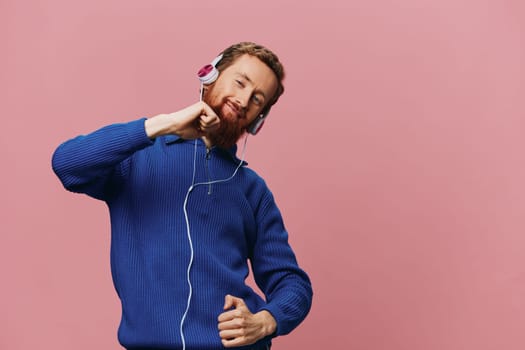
x=238 y=326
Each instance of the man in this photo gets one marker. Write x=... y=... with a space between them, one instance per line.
x=187 y=215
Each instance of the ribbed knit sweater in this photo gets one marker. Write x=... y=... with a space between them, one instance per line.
x=144 y=183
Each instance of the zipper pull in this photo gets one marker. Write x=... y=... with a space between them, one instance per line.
x=208 y=156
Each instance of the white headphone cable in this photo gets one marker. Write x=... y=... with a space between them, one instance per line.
x=188 y=232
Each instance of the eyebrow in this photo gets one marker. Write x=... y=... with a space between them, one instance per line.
x=245 y=76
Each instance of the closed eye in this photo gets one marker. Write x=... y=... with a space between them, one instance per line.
x=257 y=100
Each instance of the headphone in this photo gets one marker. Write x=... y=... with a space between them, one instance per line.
x=209 y=73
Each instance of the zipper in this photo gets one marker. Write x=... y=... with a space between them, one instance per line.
x=208 y=156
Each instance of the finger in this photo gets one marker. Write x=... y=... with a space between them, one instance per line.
x=237 y=302
x=232 y=323
x=230 y=315
x=208 y=123
x=198 y=128
x=209 y=119
x=207 y=110
x=231 y=334
x=239 y=341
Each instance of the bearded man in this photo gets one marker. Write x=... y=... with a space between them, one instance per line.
x=187 y=216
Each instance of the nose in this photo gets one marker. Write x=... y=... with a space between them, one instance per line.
x=243 y=98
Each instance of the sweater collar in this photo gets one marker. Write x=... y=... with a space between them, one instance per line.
x=231 y=152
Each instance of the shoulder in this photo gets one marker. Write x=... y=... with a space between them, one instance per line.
x=256 y=188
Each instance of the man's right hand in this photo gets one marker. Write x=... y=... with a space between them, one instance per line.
x=191 y=122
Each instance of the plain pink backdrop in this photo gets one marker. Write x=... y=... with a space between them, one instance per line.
x=396 y=156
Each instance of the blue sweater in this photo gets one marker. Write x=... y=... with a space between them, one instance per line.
x=144 y=183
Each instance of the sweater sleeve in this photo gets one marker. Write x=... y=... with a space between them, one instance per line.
x=287 y=287
x=85 y=163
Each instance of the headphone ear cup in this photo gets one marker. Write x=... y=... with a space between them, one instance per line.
x=256 y=125
x=208 y=74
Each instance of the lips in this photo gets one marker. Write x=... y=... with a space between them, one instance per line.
x=234 y=109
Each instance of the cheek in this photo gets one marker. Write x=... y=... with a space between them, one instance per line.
x=218 y=93
x=212 y=98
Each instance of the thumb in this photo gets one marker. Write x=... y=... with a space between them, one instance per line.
x=228 y=302
x=231 y=301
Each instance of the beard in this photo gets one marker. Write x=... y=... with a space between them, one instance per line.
x=227 y=134
x=230 y=130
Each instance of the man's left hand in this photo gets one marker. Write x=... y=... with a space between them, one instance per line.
x=238 y=326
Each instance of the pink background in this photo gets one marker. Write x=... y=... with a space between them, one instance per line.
x=396 y=156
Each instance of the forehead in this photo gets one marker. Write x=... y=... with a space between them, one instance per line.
x=260 y=75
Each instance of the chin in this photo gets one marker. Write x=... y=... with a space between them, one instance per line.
x=226 y=138
x=228 y=115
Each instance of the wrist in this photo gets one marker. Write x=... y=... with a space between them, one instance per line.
x=268 y=322
x=157 y=126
